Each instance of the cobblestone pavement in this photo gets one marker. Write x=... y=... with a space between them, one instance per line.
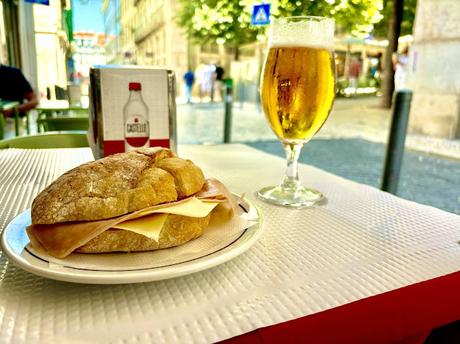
x=350 y=118
x=351 y=144
x=425 y=179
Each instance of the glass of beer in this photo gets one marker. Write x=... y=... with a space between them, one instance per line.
x=297 y=90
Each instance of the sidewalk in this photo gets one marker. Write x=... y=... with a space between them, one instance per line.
x=363 y=118
x=425 y=179
x=350 y=118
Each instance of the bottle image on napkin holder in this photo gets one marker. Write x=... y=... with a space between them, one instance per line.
x=135 y=115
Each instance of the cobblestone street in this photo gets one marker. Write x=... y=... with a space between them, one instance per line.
x=351 y=144
x=426 y=179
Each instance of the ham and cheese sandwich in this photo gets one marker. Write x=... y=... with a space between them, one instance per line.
x=110 y=204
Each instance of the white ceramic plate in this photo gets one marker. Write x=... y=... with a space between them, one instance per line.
x=218 y=244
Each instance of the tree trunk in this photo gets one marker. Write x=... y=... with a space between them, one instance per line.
x=394 y=29
x=237 y=53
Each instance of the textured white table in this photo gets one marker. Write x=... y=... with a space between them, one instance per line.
x=363 y=242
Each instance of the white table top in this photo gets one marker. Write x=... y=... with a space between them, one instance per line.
x=363 y=242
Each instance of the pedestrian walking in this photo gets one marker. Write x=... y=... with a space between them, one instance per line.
x=354 y=72
x=204 y=77
x=189 y=79
x=218 y=82
x=401 y=65
x=208 y=80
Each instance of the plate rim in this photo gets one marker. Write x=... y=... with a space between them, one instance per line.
x=252 y=233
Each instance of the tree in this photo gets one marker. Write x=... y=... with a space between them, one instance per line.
x=407 y=21
x=394 y=29
x=398 y=20
x=211 y=21
x=228 y=21
x=355 y=17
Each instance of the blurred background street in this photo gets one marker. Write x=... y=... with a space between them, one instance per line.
x=350 y=118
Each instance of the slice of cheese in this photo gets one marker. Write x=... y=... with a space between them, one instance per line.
x=192 y=207
x=151 y=224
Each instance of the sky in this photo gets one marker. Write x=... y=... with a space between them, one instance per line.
x=87 y=15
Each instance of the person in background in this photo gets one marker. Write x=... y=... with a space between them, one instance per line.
x=189 y=78
x=354 y=72
x=400 y=67
x=15 y=87
x=208 y=80
x=204 y=76
x=218 y=82
x=199 y=74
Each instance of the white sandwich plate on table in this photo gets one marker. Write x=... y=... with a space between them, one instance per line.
x=220 y=242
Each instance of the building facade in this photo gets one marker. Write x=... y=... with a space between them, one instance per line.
x=52 y=47
x=89 y=51
x=149 y=36
x=35 y=38
x=111 y=11
x=147 y=33
x=4 y=56
x=433 y=72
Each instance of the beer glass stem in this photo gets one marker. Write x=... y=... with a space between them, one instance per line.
x=291 y=179
x=291 y=192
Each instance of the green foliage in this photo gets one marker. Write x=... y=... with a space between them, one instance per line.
x=355 y=17
x=381 y=27
x=367 y=81
x=228 y=21
x=208 y=21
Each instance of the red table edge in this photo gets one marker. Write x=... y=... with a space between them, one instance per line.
x=384 y=318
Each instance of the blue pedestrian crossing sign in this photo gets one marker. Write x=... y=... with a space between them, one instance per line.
x=260 y=14
x=41 y=2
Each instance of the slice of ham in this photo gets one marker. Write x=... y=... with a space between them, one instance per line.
x=61 y=239
x=210 y=189
x=216 y=189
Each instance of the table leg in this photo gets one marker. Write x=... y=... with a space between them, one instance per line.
x=16 y=121
x=28 y=122
x=2 y=126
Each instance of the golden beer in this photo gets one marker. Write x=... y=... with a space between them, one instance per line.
x=297 y=90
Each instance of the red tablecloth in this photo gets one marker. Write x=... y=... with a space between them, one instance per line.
x=405 y=315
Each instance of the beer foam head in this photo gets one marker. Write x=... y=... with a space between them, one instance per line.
x=315 y=32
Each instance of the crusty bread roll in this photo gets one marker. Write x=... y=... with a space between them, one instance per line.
x=176 y=231
x=117 y=185
x=80 y=210
x=188 y=177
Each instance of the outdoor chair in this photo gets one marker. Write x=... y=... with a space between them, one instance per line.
x=62 y=123
x=17 y=118
x=49 y=140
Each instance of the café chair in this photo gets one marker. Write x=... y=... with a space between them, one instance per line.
x=49 y=140
x=62 y=123
x=61 y=111
x=17 y=118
